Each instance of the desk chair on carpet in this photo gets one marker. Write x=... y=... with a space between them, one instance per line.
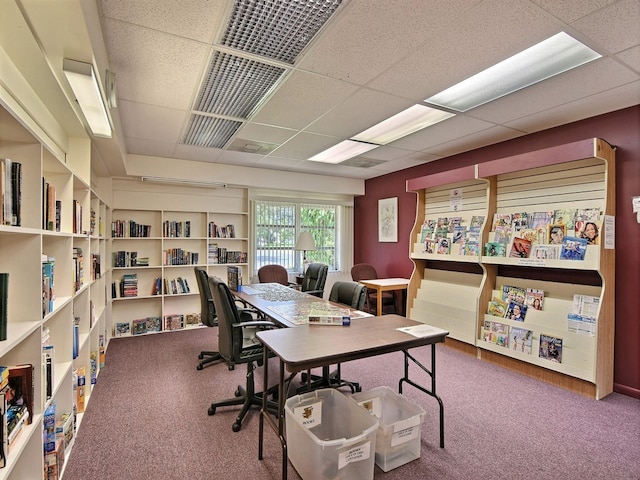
x=207 y=315
x=351 y=294
x=366 y=271
x=314 y=279
x=237 y=344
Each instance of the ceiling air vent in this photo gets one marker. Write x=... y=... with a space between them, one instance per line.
x=235 y=85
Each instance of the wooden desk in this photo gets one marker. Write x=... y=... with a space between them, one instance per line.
x=310 y=346
x=384 y=285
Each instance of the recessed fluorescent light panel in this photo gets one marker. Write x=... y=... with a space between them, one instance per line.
x=343 y=151
x=85 y=87
x=546 y=59
x=402 y=124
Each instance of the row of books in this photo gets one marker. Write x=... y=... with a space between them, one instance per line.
x=123 y=258
x=179 y=256
x=141 y=326
x=16 y=405
x=217 y=255
x=176 y=229
x=129 y=228
x=10 y=192
x=48 y=284
x=51 y=207
x=221 y=231
x=174 y=286
x=58 y=433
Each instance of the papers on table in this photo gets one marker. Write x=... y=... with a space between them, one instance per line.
x=421 y=331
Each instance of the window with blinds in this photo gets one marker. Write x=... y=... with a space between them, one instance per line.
x=277 y=226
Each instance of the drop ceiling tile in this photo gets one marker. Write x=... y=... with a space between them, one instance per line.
x=482 y=37
x=372 y=36
x=238 y=158
x=265 y=133
x=630 y=57
x=475 y=140
x=152 y=122
x=154 y=67
x=301 y=99
x=616 y=27
x=571 y=10
x=387 y=153
x=141 y=146
x=195 y=19
x=453 y=127
x=360 y=111
x=597 y=104
x=200 y=154
x=304 y=146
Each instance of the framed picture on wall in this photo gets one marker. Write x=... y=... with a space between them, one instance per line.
x=388 y=219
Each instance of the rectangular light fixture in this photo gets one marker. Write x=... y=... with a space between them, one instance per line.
x=85 y=87
x=546 y=59
x=343 y=151
x=402 y=124
x=183 y=181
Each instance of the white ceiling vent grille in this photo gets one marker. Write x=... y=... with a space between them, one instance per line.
x=234 y=86
x=276 y=29
x=210 y=132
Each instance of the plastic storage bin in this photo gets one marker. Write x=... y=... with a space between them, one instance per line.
x=398 y=439
x=329 y=436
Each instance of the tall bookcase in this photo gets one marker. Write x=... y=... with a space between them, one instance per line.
x=79 y=249
x=453 y=290
x=189 y=211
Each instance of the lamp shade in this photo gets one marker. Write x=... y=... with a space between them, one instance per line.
x=305 y=242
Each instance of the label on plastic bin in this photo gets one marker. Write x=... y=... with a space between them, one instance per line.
x=309 y=415
x=355 y=454
x=405 y=431
x=373 y=406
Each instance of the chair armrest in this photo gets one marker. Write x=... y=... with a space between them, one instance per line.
x=315 y=293
x=255 y=323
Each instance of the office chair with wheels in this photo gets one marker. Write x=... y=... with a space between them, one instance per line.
x=366 y=271
x=237 y=344
x=273 y=274
x=351 y=294
x=314 y=279
x=207 y=315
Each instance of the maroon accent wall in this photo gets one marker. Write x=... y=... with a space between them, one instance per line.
x=621 y=129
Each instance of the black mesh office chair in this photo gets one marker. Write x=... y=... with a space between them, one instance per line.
x=207 y=315
x=351 y=294
x=237 y=344
x=314 y=279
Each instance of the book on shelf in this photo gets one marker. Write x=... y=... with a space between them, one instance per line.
x=173 y=322
x=497 y=307
x=519 y=221
x=534 y=298
x=512 y=293
x=122 y=329
x=521 y=340
x=496 y=332
x=4 y=391
x=566 y=217
x=4 y=304
x=477 y=221
x=81 y=389
x=550 y=348
x=49 y=428
x=192 y=320
x=154 y=324
x=520 y=248
x=501 y=220
x=516 y=311
x=48 y=284
x=101 y=351
x=573 y=248
x=139 y=326
x=21 y=387
x=47 y=371
x=93 y=366
x=10 y=192
x=234 y=279
x=17 y=417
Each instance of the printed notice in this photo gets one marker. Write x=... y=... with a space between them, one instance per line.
x=420 y=331
x=609 y=232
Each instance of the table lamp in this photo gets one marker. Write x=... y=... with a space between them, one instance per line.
x=305 y=242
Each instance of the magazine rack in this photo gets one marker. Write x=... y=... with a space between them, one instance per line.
x=453 y=290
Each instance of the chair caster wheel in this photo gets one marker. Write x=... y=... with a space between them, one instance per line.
x=236 y=427
x=199 y=367
x=238 y=392
x=211 y=410
x=232 y=367
x=200 y=357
